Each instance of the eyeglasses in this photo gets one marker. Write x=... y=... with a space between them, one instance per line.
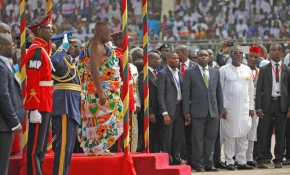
x=238 y=53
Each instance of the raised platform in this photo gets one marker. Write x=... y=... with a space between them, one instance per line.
x=144 y=164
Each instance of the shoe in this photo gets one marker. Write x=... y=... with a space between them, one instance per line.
x=252 y=163
x=199 y=170
x=211 y=169
x=268 y=161
x=220 y=165
x=278 y=165
x=231 y=167
x=262 y=166
x=286 y=162
x=244 y=167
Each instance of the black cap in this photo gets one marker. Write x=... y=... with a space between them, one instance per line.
x=165 y=46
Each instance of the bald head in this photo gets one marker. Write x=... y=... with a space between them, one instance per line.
x=5 y=39
x=102 y=32
x=153 y=60
x=6 y=45
x=181 y=47
x=182 y=53
x=4 y=28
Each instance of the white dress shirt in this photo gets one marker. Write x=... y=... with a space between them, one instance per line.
x=177 y=82
x=152 y=71
x=186 y=63
x=276 y=88
x=205 y=71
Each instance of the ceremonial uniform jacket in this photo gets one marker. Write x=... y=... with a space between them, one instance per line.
x=67 y=89
x=38 y=89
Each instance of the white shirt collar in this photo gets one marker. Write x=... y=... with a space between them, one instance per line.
x=186 y=62
x=151 y=69
x=176 y=70
x=274 y=63
x=201 y=68
x=7 y=61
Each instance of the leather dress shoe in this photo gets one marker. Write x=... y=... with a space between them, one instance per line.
x=286 y=162
x=220 y=165
x=231 y=167
x=268 y=161
x=211 y=169
x=278 y=165
x=252 y=163
x=244 y=167
x=199 y=170
x=262 y=166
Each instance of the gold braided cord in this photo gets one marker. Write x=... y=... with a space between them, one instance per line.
x=70 y=67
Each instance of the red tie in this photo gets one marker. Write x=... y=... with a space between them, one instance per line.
x=155 y=73
x=182 y=69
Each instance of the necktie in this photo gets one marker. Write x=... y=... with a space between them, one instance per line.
x=182 y=68
x=155 y=73
x=205 y=77
x=277 y=73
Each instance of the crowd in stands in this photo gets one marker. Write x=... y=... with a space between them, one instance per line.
x=188 y=20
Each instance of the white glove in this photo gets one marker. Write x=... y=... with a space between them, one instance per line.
x=65 y=40
x=35 y=117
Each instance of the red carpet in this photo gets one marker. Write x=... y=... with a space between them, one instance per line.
x=144 y=164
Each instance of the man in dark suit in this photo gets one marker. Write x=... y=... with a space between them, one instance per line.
x=185 y=63
x=272 y=105
x=154 y=118
x=169 y=83
x=11 y=106
x=203 y=104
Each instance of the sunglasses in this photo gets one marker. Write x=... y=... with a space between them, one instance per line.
x=238 y=53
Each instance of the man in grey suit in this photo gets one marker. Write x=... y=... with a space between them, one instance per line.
x=185 y=63
x=272 y=105
x=169 y=83
x=11 y=106
x=202 y=100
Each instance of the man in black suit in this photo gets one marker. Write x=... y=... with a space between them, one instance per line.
x=11 y=106
x=272 y=105
x=154 y=118
x=202 y=99
x=169 y=83
x=185 y=63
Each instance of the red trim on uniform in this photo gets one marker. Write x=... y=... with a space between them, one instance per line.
x=34 y=148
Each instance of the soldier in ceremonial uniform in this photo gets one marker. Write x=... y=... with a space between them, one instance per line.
x=134 y=99
x=37 y=92
x=66 y=103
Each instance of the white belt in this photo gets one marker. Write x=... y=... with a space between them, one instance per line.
x=46 y=83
